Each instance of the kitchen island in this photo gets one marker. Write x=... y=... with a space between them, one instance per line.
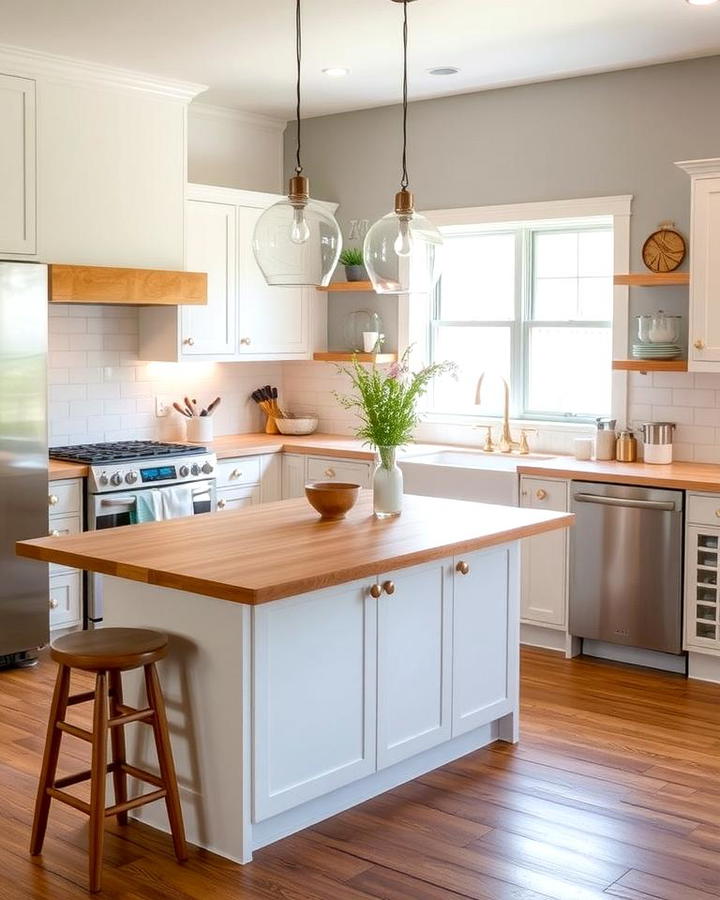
x=316 y=664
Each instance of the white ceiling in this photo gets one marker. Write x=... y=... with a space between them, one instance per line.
x=244 y=49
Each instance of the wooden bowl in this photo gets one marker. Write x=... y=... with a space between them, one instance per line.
x=332 y=499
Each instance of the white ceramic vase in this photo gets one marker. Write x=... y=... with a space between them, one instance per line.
x=387 y=484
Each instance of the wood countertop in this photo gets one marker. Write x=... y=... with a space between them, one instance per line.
x=59 y=469
x=680 y=475
x=282 y=549
x=230 y=445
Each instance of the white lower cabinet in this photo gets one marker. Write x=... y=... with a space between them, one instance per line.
x=248 y=480
x=238 y=498
x=702 y=566
x=482 y=630
x=66 y=599
x=545 y=556
x=348 y=681
x=298 y=470
x=414 y=661
x=65 y=517
x=293 y=476
x=313 y=695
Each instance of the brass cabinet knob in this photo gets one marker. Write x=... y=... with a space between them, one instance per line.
x=389 y=587
x=54 y=532
x=699 y=344
x=541 y=494
x=246 y=341
x=462 y=567
x=53 y=500
x=717 y=513
x=375 y=591
x=236 y=473
x=53 y=603
x=189 y=341
x=221 y=504
x=329 y=473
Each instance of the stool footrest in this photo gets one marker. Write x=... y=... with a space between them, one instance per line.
x=64 y=797
x=135 y=802
x=81 y=698
x=128 y=714
x=68 y=780
x=81 y=733
x=142 y=775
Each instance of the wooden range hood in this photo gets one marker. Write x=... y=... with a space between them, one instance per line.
x=128 y=287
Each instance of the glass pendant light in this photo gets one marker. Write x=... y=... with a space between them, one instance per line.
x=297 y=241
x=402 y=250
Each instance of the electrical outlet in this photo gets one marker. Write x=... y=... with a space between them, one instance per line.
x=163 y=407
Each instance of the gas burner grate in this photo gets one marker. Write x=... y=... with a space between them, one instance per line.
x=120 y=451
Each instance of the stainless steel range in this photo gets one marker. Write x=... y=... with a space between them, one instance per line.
x=119 y=473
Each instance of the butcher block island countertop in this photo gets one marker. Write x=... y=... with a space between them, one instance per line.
x=281 y=549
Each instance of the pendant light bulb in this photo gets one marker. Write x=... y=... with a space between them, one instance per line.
x=297 y=240
x=403 y=242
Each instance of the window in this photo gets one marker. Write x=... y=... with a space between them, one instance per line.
x=531 y=303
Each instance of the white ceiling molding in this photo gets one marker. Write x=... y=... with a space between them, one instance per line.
x=241 y=116
x=586 y=207
x=36 y=64
x=700 y=166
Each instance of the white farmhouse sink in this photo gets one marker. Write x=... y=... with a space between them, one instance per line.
x=466 y=475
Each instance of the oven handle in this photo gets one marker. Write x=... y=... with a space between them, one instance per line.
x=663 y=505
x=126 y=503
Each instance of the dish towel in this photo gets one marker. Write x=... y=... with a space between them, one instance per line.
x=158 y=505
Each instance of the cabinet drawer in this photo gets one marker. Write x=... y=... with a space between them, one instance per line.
x=64 y=525
x=543 y=493
x=64 y=497
x=338 y=470
x=242 y=470
x=703 y=509
x=237 y=498
x=65 y=599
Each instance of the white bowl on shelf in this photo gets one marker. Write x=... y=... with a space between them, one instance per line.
x=297 y=424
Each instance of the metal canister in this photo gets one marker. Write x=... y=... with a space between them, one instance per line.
x=626 y=447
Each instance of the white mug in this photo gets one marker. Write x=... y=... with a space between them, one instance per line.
x=371 y=340
x=583 y=448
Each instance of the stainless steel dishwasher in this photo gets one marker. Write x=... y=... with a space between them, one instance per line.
x=626 y=565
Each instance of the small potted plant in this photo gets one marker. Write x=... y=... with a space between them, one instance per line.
x=352 y=259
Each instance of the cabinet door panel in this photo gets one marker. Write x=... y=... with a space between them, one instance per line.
x=293 y=476
x=210 y=246
x=414 y=661
x=313 y=695
x=702 y=619
x=705 y=273
x=17 y=165
x=482 y=681
x=66 y=599
x=272 y=320
x=238 y=497
x=544 y=565
x=326 y=469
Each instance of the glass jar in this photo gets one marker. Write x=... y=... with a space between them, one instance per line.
x=643 y=328
x=663 y=329
x=387 y=484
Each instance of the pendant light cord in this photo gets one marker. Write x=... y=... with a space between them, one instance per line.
x=298 y=52
x=404 y=181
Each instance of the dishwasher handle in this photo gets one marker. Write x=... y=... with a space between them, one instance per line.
x=662 y=505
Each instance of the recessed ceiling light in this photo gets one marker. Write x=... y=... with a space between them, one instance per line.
x=444 y=70
x=701 y=2
x=336 y=71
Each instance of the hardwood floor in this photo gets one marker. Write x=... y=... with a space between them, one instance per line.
x=613 y=792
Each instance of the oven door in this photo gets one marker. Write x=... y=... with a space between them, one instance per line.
x=114 y=510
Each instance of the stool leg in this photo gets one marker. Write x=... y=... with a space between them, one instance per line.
x=117 y=741
x=165 y=758
x=50 y=759
x=97 y=784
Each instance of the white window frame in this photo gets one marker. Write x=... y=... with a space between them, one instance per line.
x=414 y=311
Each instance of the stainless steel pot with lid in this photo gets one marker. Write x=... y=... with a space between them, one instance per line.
x=657 y=432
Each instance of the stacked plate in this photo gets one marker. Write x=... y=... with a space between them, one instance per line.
x=665 y=350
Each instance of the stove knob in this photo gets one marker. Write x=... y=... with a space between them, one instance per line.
x=207 y=468
x=184 y=471
x=195 y=469
x=103 y=479
x=116 y=478
x=131 y=477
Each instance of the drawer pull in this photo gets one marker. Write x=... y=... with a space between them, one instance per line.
x=53 y=500
x=56 y=532
x=221 y=504
x=717 y=513
x=245 y=341
x=236 y=473
x=541 y=494
x=375 y=591
x=389 y=587
x=329 y=473
x=190 y=342
x=699 y=344
x=462 y=567
x=53 y=603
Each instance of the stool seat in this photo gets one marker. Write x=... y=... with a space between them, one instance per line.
x=107 y=649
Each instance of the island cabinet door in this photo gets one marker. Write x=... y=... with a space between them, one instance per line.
x=414 y=660
x=485 y=637
x=314 y=686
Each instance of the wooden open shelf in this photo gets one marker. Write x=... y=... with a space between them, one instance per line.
x=339 y=356
x=650 y=365
x=653 y=279
x=347 y=286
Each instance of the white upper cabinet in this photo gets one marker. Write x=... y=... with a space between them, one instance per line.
x=704 y=331
x=211 y=246
x=17 y=165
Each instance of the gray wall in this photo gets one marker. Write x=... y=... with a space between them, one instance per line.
x=615 y=133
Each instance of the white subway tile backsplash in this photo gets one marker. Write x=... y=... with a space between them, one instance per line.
x=709 y=416
x=693 y=397
x=695 y=434
x=66 y=392
x=86 y=407
x=103 y=391
x=85 y=341
x=103 y=358
x=673 y=379
x=652 y=395
x=85 y=375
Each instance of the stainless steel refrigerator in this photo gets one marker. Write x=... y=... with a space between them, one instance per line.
x=24 y=589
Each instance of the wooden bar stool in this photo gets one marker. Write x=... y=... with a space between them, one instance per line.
x=107 y=652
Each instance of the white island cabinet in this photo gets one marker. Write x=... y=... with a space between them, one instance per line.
x=315 y=664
